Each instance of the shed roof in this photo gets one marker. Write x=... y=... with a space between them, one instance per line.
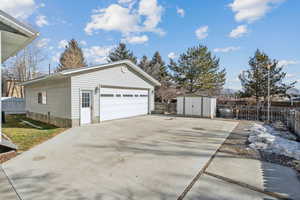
x=72 y=72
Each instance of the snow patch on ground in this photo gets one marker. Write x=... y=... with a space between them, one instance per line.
x=266 y=138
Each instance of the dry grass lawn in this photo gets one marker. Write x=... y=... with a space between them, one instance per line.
x=26 y=136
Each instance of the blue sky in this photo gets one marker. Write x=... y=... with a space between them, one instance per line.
x=231 y=29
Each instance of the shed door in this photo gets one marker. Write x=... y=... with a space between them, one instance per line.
x=86 y=107
x=196 y=106
x=117 y=103
x=193 y=106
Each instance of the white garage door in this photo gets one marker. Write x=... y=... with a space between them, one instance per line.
x=118 y=103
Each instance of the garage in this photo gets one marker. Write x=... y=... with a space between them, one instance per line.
x=92 y=94
x=117 y=103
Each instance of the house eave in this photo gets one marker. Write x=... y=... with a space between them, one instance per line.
x=15 y=35
x=44 y=78
x=72 y=72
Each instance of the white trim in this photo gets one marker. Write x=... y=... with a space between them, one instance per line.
x=17 y=25
x=49 y=77
x=128 y=62
x=86 y=69
x=22 y=46
x=82 y=90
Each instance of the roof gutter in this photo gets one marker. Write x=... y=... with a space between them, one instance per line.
x=50 y=77
x=24 y=29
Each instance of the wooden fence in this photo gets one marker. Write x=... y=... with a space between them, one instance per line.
x=163 y=108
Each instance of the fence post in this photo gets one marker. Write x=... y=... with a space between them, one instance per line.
x=183 y=109
x=3 y=117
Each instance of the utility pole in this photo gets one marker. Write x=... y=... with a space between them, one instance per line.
x=49 y=69
x=269 y=103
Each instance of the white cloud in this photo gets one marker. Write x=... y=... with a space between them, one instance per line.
x=252 y=10
x=97 y=54
x=239 y=31
x=125 y=1
x=56 y=57
x=21 y=9
x=201 y=32
x=41 y=21
x=136 y=39
x=83 y=43
x=288 y=62
x=152 y=12
x=290 y=75
x=113 y=18
x=127 y=20
x=226 y=49
x=172 y=55
x=42 y=42
x=180 y=12
x=62 y=44
x=42 y=5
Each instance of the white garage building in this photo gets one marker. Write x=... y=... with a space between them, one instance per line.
x=90 y=94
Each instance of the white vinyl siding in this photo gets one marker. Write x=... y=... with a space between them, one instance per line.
x=57 y=98
x=113 y=76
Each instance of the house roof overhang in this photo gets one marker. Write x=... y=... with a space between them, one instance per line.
x=14 y=35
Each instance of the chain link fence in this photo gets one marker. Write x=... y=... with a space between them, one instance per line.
x=288 y=116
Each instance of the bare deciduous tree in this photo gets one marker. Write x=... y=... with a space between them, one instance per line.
x=24 y=66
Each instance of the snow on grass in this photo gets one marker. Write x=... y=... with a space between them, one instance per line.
x=266 y=138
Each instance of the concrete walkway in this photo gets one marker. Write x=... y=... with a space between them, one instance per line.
x=265 y=176
x=6 y=190
x=230 y=176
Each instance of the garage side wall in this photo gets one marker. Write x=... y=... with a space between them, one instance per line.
x=114 y=76
x=57 y=110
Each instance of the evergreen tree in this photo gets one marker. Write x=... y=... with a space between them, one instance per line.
x=158 y=67
x=155 y=67
x=72 y=57
x=145 y=64
x=121 y=53
x=198 y=71
x=255 y=80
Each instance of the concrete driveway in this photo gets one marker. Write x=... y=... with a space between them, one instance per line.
x=149 y=157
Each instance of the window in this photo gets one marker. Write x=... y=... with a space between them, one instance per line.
x=85 y=100
x=127 y=95
x=143 y=95
x=107 y=95
x=42 y=97
x=136 y=95
x=118 y=95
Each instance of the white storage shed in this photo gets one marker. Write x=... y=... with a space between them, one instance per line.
x=198 y=106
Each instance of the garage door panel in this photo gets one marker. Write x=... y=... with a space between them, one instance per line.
x=121 y=103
